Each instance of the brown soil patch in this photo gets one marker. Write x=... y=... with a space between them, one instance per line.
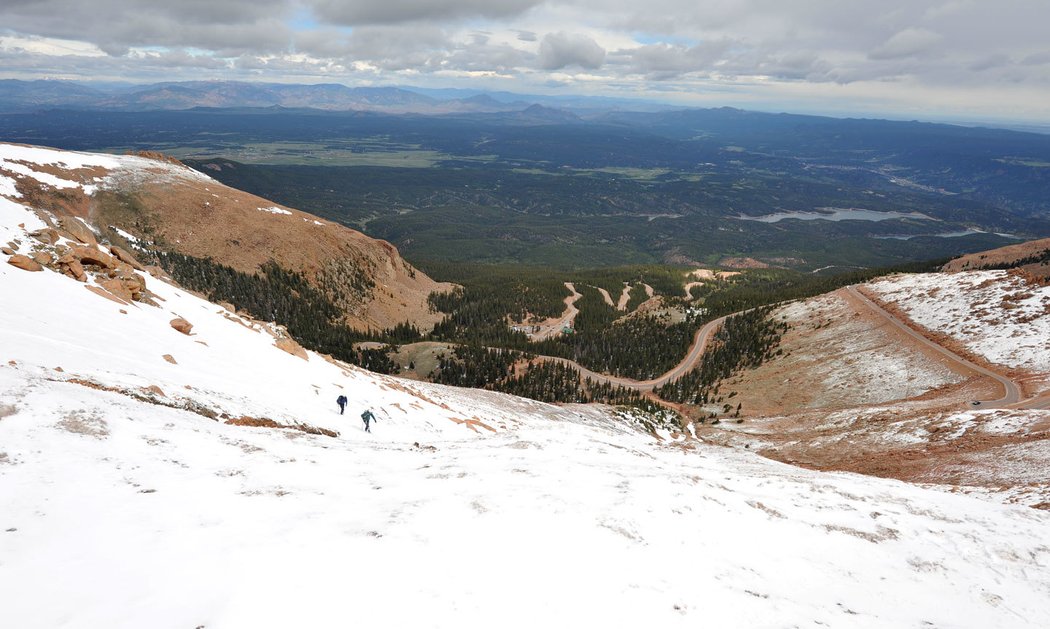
x=473 y=423
x=265 y=422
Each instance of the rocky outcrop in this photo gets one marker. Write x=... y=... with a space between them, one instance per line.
x=290 y=346
x=24 y=262
x=78 y=230
x=124 y=256
x=48 y=236
x=182 y=325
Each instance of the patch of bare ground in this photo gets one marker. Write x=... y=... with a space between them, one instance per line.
x=87 y=424
x=996 y=452
x=1010 y=254
x=473 y=423
x=418 y=361
x=265 y=422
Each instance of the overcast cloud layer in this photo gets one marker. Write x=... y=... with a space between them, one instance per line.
x=929 y=58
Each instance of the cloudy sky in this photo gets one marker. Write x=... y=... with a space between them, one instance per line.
x=978 y=59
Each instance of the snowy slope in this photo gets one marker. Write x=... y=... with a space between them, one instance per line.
x=994 y=314
x=118 y=508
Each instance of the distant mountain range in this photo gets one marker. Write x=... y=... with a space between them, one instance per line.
x=18 y=96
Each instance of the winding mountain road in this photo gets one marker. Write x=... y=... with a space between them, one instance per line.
x=1011 y=392
x=692 y=358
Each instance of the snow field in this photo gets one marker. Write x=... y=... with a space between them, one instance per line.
x=22 y=159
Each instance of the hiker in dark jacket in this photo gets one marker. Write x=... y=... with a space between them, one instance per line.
x=341 y=401
x=367 y=416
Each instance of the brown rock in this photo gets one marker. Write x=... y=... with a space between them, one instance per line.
x=78 y=230
x=12 y=245
x=154 y=389
x=124 y=256
x=181 y=325
x=293 y=348
x=48 y=236
x=110 y=296
x=43 y=257
x=25 y=263
x=134 y=285
x=7 y=251
x=117 y=288
x=91 y=255
x=169 y=358
x=75 y=269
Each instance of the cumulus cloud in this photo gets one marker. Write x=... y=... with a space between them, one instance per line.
x=620 y=45
x=560 y=50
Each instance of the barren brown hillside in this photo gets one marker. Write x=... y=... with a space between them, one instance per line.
x=1009 y=255
x=153 y=199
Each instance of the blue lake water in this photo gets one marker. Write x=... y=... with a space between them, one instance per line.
x=835 y=214
x=955 y=234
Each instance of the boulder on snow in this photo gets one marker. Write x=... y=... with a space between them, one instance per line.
x=7 y=251
x=169 y=358
x=24 y=262
x=182 y=325
x=42 y=257
x=289 y=345
x=78 y=230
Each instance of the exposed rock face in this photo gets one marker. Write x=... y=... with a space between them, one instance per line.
x=91 y=255
x=116 y=287
x=72 y=267
x=124 y=256
x=24 y=262
x=290 y=346
x=78 y=230
x=182 y=325
x=48 y=236
x=42 y=257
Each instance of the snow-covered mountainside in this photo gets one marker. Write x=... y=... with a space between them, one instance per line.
x=146 y=481
x=996 y=315
x=149 y=198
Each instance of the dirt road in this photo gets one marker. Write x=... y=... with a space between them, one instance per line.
x=692 y=358
x=1011 y=392
x=553 y=327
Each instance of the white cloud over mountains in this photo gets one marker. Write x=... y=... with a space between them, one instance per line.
x=673 y=46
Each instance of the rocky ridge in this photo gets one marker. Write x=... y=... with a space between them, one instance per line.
x=137 y=204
